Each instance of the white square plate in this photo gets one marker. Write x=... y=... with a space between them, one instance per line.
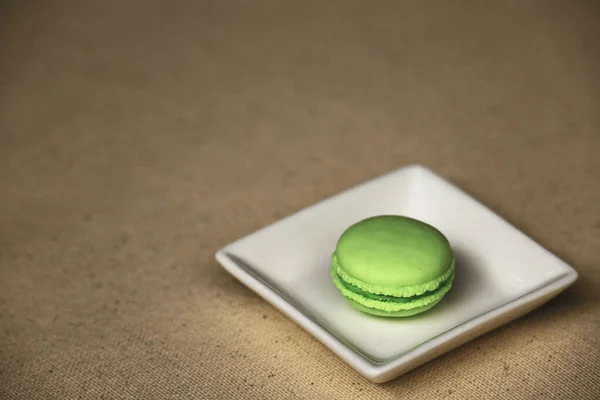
x=501 y=273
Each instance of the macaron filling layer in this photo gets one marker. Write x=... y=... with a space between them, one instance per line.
x=382 y=297
x=387 y=303
x=404 y=291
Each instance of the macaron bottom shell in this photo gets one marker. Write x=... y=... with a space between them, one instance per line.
x=400 y=313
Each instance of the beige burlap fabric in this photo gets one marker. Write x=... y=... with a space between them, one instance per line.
x=138 y=137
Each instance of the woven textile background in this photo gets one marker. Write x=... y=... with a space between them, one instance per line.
x=138 y=137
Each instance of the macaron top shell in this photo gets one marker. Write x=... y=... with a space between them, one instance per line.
x=393 y=255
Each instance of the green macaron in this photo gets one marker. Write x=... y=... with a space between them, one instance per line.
x=392 y=266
